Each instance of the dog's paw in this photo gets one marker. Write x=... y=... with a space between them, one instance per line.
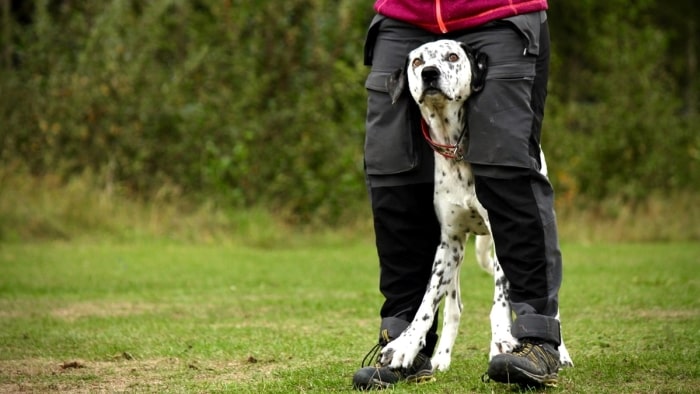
x=441 y=361
x=566 y=362
x=387 y=355
x=503 y=345
x=399 y=353
x=394 y=358
x=564 y=357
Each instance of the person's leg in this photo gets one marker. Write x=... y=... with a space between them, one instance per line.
x=399 y=170
x=407 y=234
x=520 y=207
x=505 y=123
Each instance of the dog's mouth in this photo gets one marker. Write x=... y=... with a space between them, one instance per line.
x=432 y=91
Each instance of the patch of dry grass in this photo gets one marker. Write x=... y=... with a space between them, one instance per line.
x=122 y=374
x=660 y=218
x=47 y=208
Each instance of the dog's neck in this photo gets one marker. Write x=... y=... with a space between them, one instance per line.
x=445 y=120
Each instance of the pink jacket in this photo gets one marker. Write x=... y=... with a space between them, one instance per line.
x=442 y=16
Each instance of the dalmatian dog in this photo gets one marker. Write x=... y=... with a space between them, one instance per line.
x=441 y=76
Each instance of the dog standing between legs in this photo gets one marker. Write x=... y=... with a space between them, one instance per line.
x=441 y=76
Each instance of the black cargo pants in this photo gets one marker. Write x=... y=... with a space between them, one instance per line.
x=504 y=122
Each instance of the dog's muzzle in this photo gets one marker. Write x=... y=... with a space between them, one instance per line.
x=431 y=78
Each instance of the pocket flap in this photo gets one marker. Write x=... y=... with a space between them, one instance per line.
x=376 y=80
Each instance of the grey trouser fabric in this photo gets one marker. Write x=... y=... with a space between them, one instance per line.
x=504 y=123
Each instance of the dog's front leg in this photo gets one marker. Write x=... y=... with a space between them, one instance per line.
x=564 y=357
x=401 y=351
x=502 y=340
x=450 y=325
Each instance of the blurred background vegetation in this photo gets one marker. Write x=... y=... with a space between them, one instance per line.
x=169 y=113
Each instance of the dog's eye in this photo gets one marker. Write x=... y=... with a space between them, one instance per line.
x=452 y=57
x=417 y=62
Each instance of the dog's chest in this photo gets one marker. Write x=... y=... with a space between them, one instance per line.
x=455 y=196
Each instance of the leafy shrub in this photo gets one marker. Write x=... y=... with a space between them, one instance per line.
x=254 y=103
x=262 y=104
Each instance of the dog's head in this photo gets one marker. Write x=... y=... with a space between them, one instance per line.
x=439 y=71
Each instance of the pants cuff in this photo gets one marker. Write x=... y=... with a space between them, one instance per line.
x=537 y=326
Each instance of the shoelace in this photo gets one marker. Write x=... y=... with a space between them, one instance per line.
x=485 y=377
x=527 y=350
x=372 y=354
x=523 y=349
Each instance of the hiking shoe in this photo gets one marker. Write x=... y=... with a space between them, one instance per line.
x=378 y=377
x=532 y=363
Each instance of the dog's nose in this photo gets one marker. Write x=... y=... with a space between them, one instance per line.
x=430 y=74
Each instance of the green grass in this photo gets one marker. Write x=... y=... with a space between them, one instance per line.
x=168 y=317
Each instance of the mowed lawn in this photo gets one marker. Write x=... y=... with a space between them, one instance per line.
x=167 y=317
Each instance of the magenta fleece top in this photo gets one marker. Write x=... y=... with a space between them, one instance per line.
x=442 y=16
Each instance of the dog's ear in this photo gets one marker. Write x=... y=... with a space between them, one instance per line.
x=479 y=70
x=478 y=62
x=396 y=83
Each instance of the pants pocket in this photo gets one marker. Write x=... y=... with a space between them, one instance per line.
x=390 y=142
x=529 y=26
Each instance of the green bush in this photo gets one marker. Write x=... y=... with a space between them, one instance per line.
x=262 y=103
x=617 y=125
x=252 y=104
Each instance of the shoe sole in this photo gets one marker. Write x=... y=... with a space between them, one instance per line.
x=377 y=384
x=420 y=379
x=520 y=376
x=544 y=380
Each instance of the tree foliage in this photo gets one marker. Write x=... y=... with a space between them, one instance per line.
x=622 y=116
x=262 y=103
